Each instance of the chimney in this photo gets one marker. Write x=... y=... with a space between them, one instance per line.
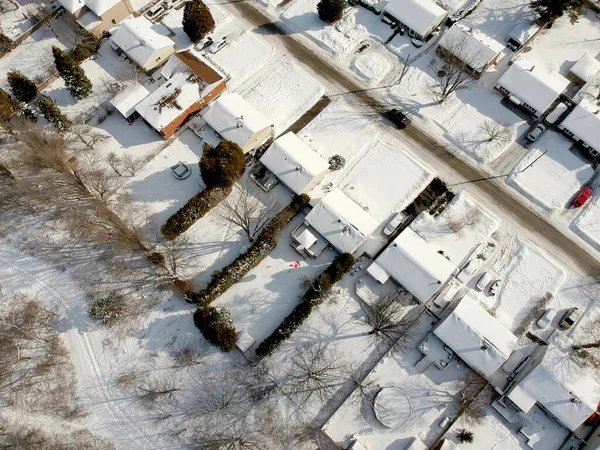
x=532 y=67
x=142 y=42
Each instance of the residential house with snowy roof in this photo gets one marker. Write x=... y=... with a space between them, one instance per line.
x=522 y=34
x=582 y=125
x=473 y=47
x=413 y=263
x=476 y=337
x=142 y=43
x=559 y=386
x=236 y=120
x=294 y=163
x=584 y=69
x=530 y=87
x=343 y=223
x=126 y=100
x=190 y=85
x=417 y=17
x=97 y=16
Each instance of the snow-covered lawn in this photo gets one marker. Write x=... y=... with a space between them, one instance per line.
x=14 y=21
x=372 y=66
x=283 y=94
x=260 y=301
x=556 y=177
x=497 y=18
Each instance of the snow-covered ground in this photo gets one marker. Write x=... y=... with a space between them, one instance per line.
x=587 y=223
x=15 y=17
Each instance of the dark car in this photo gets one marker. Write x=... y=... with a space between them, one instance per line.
x=398 y=117
x=570 y=318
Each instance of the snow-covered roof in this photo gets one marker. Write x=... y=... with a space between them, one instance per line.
x=418 y=15
x=476 y=337
x=89 y=21
x=586 y=67
x=584 y=122
x=472 y=46
x=72 y=5
x=139 y=41
x=235 y=119
x=415 y=264
x=125 y=101
x=245 y=341
x=188 y=81
x=532 y=84
x=524 y=31
x=562 y=387
x=341 y=221
x=294 y=163
x=98 y=6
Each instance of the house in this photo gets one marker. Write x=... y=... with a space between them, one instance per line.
x=190 y=85
x=582 y=125
x=530 y=87
x=297 y=165
x=584 y=69
x=344 y=224
x=521 y=35
x=97 y=16
x=126 y=100
x=234 y=119
x=560 y=387
x=416 y=265
x=142 y=44
x=476 y=337
x=418 y=17
x=474 y=48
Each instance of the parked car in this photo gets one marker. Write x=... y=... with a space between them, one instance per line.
x=397 y=220
x=398 y=117
x=417 y=42
x=484 y=281
x=536 y=132
x=494 y=287
x=570 y=317
x=582 y=197
x=467 y=271
x=181 y=171
x=546 y=318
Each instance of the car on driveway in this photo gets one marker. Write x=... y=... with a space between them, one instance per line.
x=398 y=117
x=546 y=318
x=394 y=223
x=181 y=171
x=536 y=132
x=582 y=197
x=485 y=280
x=570 y=318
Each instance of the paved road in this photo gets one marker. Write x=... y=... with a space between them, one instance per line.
x=493 y=193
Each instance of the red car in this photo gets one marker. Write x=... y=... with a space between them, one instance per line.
x=583 y=197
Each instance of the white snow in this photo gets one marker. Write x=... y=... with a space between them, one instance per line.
x=585 y=67
x=472 y=46
x=371 y=66
x=584 y=123
x=125 y=101
x=284 y=94
x=174 y=18
x=421 y=16
x=587 y=224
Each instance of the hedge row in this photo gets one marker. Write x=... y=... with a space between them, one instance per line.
x=216 y=327
x=262 y=246
x=320 y=286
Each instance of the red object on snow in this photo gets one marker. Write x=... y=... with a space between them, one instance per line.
x=583 y=197
x=295 y=264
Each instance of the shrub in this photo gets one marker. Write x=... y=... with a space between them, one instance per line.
x=223 y=165
x=318 y=289
x=330 y=10
x=21 y=87
x=84 y=49
x=78 y=84
x=197 y=20
x=216 y=326
x=7 y=107
x=53 y=114
x=6 y=45
x=192 y=211
x=108 y=310
x=465 y=436
x=337 y=162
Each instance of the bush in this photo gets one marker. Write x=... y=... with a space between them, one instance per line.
x=84 y=49
x=197 y=20
x=53 y=114
x=108 y=310
x=465 y=436
x=223 y=165
x=330 y=10
x=192 y=211
x=337 y=162
x=22 y=88
x=78 y=84
x=216 y=327
x=318 y=289
x=6 y=45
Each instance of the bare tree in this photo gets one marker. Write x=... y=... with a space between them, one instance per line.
x=471 y=399
x=243 y=209
x=176 y=254
x=451 y=72
x=154 y=391
x=494 y=131
x=470 y=218
x=86 y=137
x=591 y=333
x=191 y=354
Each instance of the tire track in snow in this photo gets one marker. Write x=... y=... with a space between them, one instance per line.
x=80 y=345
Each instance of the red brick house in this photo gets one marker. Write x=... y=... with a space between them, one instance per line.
x=190 y=85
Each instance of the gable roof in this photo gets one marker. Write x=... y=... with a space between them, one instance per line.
x=584 y=122
x=294 y=163
x=418 y=15
x=126 y=100
x=586 y=67
x=472 y=46
x=139 y=41
x=476 y=337
x=185 y=86
x=533 y=85
x=561 y=386
x=235 y=119
x=341 y=221
x=415 y=264
x=99 y=7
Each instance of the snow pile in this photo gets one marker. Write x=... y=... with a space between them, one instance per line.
x=372 y=67
x=284 y=94
x=587 y=224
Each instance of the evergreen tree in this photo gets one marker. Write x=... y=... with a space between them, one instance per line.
x=7 y=107
x=197 y=20
x=330 y=10
x=6 y=45
x=78 y=84
x=53 y=114
x=550 y=10
x=21 y=87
